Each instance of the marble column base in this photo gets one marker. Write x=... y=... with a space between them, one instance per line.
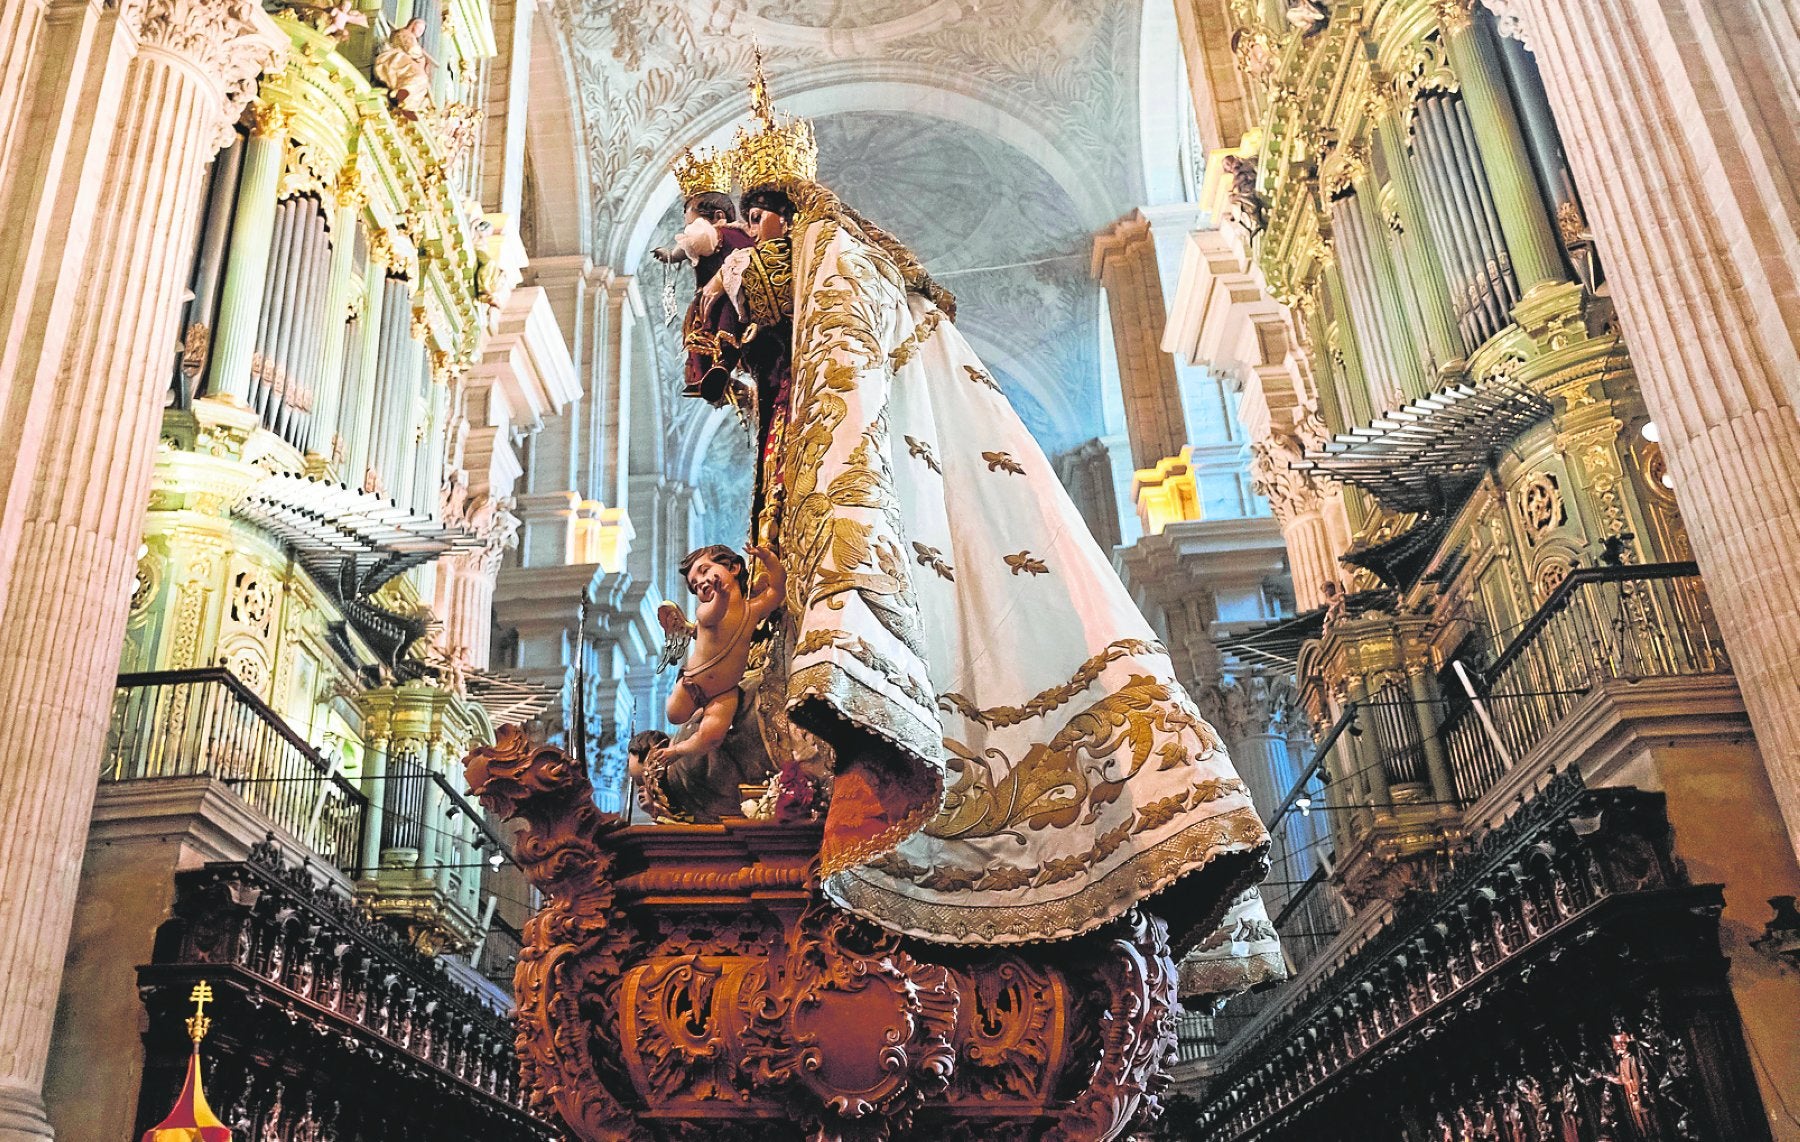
x=22 y=1117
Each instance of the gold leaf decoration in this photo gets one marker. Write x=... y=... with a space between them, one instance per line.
x=981 y=377
x=1025 y=563
x=922 y=451
x=931 y=557
x=1001 y=462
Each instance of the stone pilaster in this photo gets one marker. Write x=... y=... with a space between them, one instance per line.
x=1694 y=224
x=1125 y=264
x=193 y=66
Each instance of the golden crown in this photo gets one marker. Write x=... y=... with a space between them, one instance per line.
x=778 y=150
x=698 y=174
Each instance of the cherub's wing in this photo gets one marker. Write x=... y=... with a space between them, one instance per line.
x=678 y=633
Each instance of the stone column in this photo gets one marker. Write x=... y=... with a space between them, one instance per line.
x=1371 y=770
x=1524 y=219
x=1125 y=264
x=247 y=262
x=1437 y=763
x=1695 y=224
x=193 y=66
x=1296 y=503
x=1254 y=709
x=374 y=783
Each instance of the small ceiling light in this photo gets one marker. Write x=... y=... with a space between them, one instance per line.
x=1651 y=432
x=496 y=861
x=1668 y=481
x=1304 y=804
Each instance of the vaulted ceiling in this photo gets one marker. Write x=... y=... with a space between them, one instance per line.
x=992 y=136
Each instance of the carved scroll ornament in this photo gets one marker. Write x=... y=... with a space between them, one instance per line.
x=663 y=997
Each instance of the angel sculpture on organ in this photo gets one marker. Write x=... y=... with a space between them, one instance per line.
x=1011 y=757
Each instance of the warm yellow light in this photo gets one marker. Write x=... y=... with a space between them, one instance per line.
x=1167 y=493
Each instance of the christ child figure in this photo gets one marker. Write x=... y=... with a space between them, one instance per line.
x=710 y=235
x=726 y=612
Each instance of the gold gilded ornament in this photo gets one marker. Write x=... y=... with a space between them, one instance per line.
x=779 y=151
x=701 y=173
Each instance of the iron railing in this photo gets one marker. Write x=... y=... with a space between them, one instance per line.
x=1602 y=624
x=188 y=723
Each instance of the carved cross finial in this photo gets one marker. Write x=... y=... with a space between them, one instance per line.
x=199 y=1023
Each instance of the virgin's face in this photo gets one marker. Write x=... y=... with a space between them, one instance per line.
x=765 y=224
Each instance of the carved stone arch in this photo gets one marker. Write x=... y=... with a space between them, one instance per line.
x=556 y=148
x=846 y=88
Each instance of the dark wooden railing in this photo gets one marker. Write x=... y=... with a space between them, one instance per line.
x=187 y=723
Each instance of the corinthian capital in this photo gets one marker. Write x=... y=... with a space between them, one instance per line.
x=232 y=42
x=1289 y=493
x=1257 y=703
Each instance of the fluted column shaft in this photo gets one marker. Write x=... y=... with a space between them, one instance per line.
x=64 y=617
x=1524 y=220
x=247 y=263
x=1696 y=226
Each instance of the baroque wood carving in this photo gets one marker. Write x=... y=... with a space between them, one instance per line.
x=687 y=981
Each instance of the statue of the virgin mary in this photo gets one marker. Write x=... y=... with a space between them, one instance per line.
x=1012 y=758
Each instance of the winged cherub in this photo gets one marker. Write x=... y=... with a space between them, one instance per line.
x=725 y=615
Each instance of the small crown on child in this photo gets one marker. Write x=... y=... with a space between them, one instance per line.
x=700 y=173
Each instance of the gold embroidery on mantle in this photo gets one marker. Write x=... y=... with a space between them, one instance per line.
x=1049 y=786
x=981 y=377
x=1236 y=832
x=933 y=558
x=909 y=348
x=1002 y=462
x=1025 y=563
x=1056 y=696
x=922 y=451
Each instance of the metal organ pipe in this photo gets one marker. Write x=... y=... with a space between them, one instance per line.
x=1372 y=335
x=209 y=266
x=293 y=259
x=359 y=386
x=308 y=370
x=1475 y=172
x=269 y=313
x=1490 y=272
x=348 y=253
x=1436 y=197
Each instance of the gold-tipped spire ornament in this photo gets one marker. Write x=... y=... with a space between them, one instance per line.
x=779 y=151
x=192 y=1120
x=699 y=173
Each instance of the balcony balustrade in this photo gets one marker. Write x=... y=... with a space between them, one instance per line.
x=192 y=723
x=1630 y=624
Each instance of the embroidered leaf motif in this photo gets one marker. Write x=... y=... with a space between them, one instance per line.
x=933 y=558
x=922 y=451
x=981 y=377
x=1001 y=462
x=1025 y=563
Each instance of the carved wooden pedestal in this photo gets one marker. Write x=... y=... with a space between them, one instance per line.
x=687 y=982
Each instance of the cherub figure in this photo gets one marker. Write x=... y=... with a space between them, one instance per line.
x=403 y=67
x=726 y=613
